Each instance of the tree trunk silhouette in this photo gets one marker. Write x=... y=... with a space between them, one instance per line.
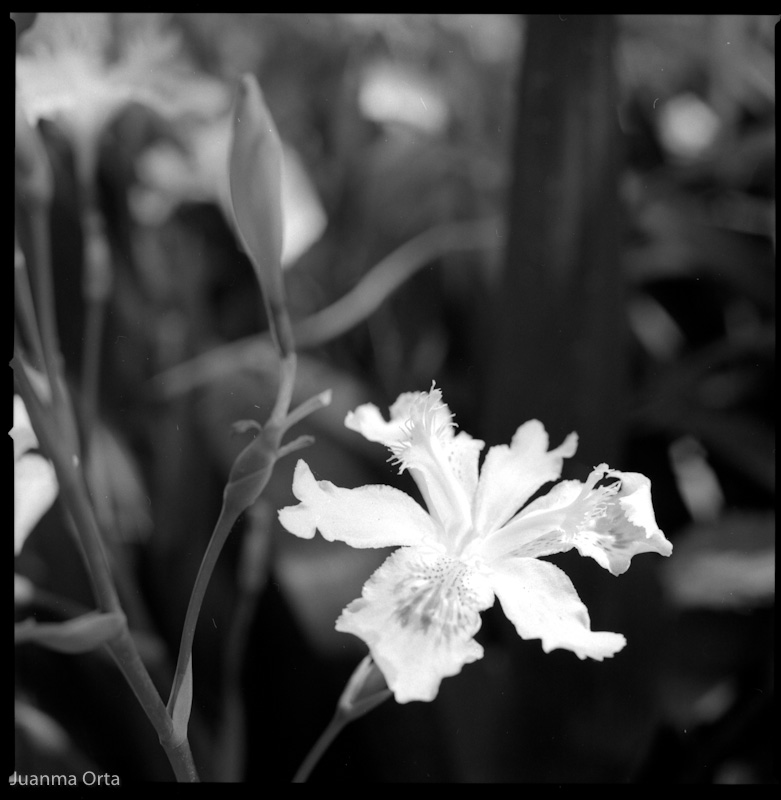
x=558 y=345
x=557 y=352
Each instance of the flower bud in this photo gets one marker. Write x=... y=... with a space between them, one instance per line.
x=256 y=195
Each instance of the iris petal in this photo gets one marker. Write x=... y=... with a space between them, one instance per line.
x=369 y=422
x=512 y=474
x=418 y=614
x=542 y=603
x=369 y=516
x=421 y=436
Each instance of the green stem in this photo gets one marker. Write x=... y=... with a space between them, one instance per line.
x=39 y=261
x=227 y=519
x=287 y=380
x=365 y=690
x=126 y=656
x=231 y=510
x=326 y=739
x=58 y=433
x=90 y=376
x=25 y=309
x=72 y=489
x=231 y=739
x=35 y=241
x=181 y=759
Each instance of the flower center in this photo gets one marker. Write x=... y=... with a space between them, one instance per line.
x=438 y=596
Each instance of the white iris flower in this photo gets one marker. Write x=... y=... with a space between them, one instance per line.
x=479 y=539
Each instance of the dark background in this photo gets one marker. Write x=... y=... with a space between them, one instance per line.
x=596 y=201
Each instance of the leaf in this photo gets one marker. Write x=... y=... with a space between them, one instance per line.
x=79 y=635
x=117 y=486
x=725 y=565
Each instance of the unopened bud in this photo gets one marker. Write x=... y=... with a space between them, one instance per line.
x=256 y=195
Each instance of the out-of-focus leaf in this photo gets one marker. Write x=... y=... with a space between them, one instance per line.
x=739 y=439
x=728 y=564
x=121 y=501
x=248 y=390
x=681 y=242
x=43 y=746
x=697 y=483
x=688 y=373
x=24 y=590
x=318 y=583
x=703 y=395
x=655 y=328
x=79 y=635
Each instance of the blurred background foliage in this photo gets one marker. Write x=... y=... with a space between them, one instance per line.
x=557 y=216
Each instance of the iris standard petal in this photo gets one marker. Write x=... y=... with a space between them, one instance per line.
x=368 y=420
x=418 y=615
x=441 y=463
x=512 y=474
x=421 y=435
x=411 y=404
x=542 y=603
x=369 y=516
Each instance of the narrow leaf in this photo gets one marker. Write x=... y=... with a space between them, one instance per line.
x=79 y=635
